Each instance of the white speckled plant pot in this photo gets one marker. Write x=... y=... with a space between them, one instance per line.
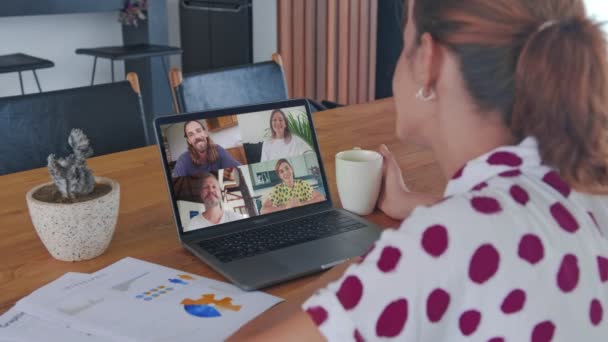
x=78 y=231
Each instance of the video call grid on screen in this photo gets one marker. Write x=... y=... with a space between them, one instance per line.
x=254 y=166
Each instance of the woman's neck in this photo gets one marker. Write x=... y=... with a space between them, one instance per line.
x=467 y=138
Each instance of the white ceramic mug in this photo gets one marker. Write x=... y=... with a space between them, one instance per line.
x=359 y=176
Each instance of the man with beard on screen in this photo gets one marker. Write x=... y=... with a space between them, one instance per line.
x=203 y=154
x=214 y=214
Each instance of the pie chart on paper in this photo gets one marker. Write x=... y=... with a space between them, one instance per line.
x=207 y=306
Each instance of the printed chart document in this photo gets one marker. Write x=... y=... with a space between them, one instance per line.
x=133 y=300
x=18 y=326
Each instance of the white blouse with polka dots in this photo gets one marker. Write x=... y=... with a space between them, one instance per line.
x=511 y=254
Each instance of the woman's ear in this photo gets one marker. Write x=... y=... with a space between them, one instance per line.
x=427 y=61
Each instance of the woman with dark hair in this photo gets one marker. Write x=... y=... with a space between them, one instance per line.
x=512 y=97
x=291 y=192
x=282 y=143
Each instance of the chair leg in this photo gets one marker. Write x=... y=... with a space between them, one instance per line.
x=37 y=82
x=21 y=83
x=93 y=75
x=175 y=107
x=112 y=63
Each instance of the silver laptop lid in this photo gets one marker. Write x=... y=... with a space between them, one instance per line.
x=236 y=168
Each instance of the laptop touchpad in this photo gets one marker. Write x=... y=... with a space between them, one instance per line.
x=262 y=266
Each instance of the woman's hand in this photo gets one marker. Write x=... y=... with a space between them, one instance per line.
x=393 y=192
x=395 y=199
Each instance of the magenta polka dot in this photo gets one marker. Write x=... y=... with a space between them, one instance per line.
x=484 y=264
x=519 y=194
x=358 y=337
x=469 y=321
x=350 y=292
x=458 y=173
x=437 y=304
x=568 y=274
x=318 y=314
x=435 y=240
x=389 y=258
x=596 y=312
x=531 y=248
x=496 y=339
x=392 y=319
x=514 y=302
x=504 y=158
x=510 y=173
x=602 y=266
x=486 y=205
x=555 y=181
x=543 y=332
x=480 y=186
x=564 y=218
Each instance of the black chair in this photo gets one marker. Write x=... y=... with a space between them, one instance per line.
x=253 y=151
x=34 y=126
x=233 y=86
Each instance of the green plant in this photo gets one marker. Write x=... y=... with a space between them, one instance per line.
x=299 y=125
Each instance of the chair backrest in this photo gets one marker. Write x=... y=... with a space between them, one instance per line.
x=234 y=86
x=36 y=125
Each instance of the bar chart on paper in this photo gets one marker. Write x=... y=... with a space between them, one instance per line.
x=135 y=300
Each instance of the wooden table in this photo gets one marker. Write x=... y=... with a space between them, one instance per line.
x=145 y=228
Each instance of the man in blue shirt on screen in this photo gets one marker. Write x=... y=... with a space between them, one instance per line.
x=203 y=154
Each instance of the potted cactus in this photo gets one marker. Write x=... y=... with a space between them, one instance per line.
x=75 y=215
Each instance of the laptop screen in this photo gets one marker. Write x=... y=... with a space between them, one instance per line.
x=233 y=167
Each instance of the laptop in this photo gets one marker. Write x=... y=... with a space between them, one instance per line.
x=249 y=193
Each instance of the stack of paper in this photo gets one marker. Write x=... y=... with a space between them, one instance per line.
x=133 y=300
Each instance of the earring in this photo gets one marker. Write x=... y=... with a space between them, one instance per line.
x=422 y=97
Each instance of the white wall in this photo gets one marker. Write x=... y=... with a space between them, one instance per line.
x=598 y=9
x=56 y=37
x=264 y=29
x=264 y=16
x=173 y=28
x=228 y=137
x=256 y=125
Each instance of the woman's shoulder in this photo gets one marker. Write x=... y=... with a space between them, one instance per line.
x=298 y=140
x=302 y=184
x=477 y=213
x=279 y=187
x=503 y=210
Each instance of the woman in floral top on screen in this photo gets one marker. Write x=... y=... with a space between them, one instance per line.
x=512 y=97
x=291 y=192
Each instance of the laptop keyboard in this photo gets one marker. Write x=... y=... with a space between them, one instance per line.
x=251 y=242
